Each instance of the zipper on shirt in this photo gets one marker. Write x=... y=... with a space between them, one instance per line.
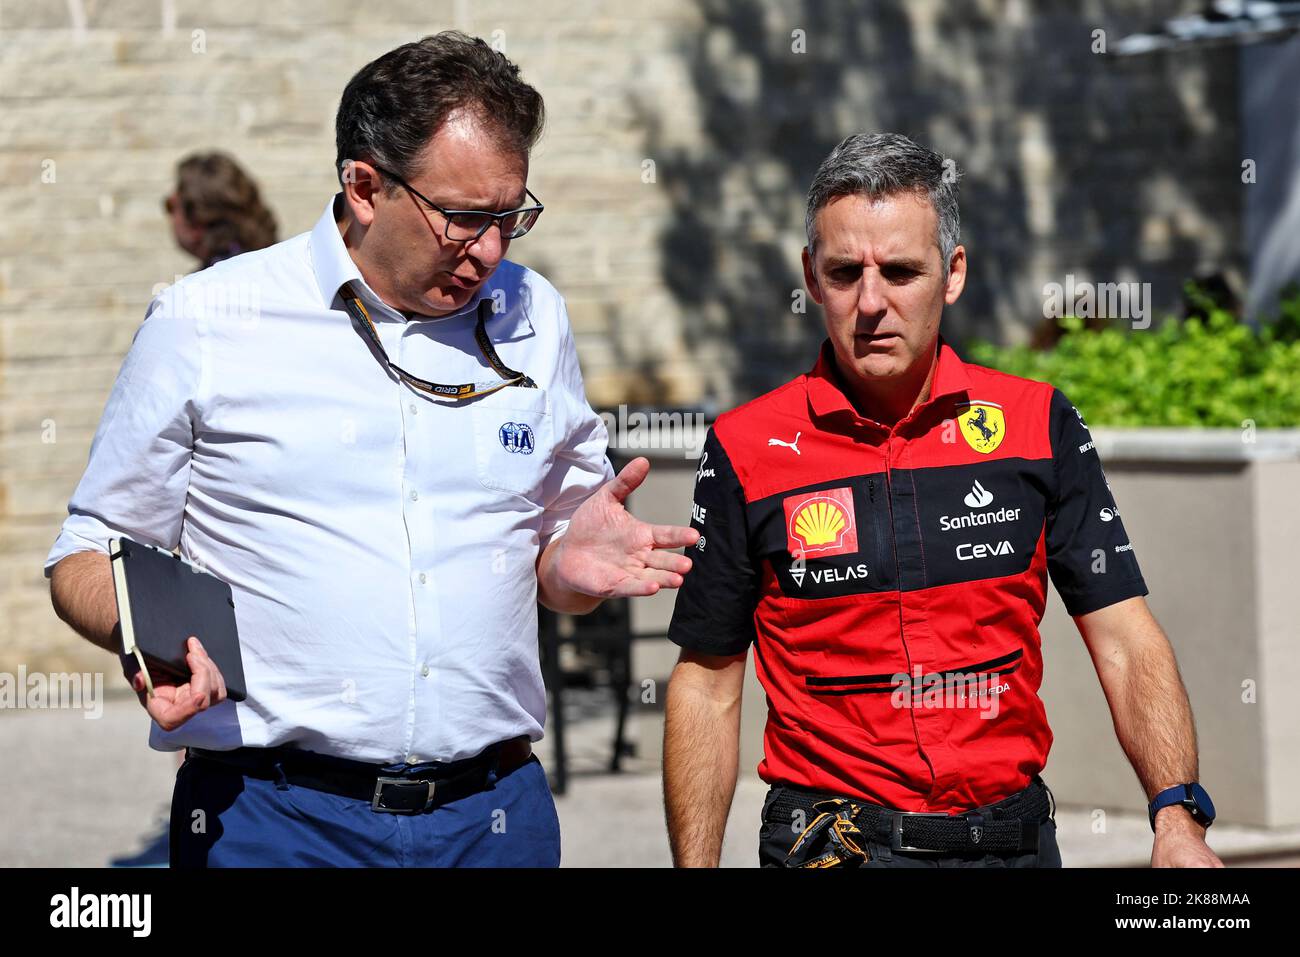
x=893 y=543
x=898 y=570
x=877 y=524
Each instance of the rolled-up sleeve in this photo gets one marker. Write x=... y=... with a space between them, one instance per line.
x=581 y=464
x=137 y=475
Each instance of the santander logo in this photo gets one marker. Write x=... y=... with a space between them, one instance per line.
x=979 y=496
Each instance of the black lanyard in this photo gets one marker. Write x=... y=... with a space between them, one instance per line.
x=469 y=390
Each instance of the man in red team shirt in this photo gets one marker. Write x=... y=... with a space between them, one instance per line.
x=881 y=530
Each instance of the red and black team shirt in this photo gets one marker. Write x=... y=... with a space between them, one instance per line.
x=892 y=580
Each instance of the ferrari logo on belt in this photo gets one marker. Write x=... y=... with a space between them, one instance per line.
x=821 y=523
x=983 y=426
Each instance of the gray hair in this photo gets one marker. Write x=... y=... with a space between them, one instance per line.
x=884 y=164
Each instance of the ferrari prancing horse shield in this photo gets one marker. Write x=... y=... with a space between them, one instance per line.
x=983 y=426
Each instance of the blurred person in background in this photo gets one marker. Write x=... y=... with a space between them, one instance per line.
x=216 y=209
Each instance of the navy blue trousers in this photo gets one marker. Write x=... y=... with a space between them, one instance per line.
x=220 y=818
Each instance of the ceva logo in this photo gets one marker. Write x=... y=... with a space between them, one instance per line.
x=968 y=551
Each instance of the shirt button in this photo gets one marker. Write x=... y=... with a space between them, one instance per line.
x=425 y=671
x=415 y=496
x=413 y=409
x=423 y=578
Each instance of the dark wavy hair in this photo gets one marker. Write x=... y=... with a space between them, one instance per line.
x=394 y=104
x=216 y=194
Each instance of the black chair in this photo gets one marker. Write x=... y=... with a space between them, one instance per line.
x=603 y=640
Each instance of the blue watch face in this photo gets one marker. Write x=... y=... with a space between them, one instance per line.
x=1203 y=801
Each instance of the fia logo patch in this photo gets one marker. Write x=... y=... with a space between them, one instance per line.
x=983 y=426
x=821 y=523
x=517 y=437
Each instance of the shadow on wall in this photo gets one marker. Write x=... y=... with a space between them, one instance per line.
x=1068 y=158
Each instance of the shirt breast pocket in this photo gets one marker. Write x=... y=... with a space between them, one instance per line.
x=514 y=441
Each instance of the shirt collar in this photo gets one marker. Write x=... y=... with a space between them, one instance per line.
x=826 y=398
x=334 y=266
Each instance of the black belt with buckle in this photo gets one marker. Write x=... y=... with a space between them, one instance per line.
x=388 y=788
x=1010 y=825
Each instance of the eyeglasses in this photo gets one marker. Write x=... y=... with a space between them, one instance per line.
x=467 y=225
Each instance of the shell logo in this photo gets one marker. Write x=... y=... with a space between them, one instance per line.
x=821 y=523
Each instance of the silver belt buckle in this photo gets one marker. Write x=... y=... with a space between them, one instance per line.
x=896 y=832
x=379 y=790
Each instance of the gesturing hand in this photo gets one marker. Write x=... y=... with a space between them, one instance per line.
x=609 y=553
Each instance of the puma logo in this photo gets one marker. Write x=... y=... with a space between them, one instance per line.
x=789 y=445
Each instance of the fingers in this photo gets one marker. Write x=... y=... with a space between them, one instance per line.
x=664 y=579
x=633 y=474
x=211 y=685
x=668 y=561
x=634 y=586
x=200 y=686
x=218 y=682
x=674 y=536
x=171 y=706
x=140 y=688
x=646 y=581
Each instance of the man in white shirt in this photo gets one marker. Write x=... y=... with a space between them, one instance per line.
x=377 y=433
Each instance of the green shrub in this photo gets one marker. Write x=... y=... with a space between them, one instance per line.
x=1206 y=372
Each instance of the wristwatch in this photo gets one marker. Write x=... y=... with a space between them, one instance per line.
x=1191 y=796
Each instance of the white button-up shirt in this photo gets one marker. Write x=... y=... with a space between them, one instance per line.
x=381 y=545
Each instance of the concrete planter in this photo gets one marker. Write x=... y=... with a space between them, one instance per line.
x=1215 y=520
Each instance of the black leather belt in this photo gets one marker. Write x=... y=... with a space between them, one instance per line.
x=390 y=789
x=1010 y=825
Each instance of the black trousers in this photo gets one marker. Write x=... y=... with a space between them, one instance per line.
x=776 y=837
